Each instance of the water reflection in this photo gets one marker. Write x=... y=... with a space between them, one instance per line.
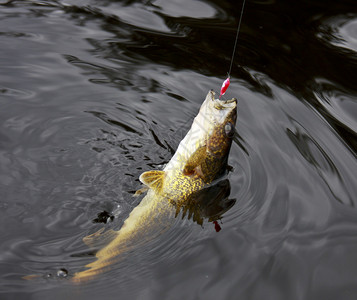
x=311 y=150
x=338 y=103
x=210 y=203
x=340 y=31
x=94 y=92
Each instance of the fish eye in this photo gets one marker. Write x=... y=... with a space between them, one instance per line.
x=229 y=129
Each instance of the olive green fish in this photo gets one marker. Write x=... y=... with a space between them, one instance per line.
x=201 y=159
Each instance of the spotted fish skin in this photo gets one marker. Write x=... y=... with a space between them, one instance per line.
x=201 y=158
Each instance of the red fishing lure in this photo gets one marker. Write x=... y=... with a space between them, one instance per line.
x=226 y=83
x=224 y=87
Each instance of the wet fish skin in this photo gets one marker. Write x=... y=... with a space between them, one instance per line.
x=201 y=158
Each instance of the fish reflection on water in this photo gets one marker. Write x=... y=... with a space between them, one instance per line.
x=190 y=183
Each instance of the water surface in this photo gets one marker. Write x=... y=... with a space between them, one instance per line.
x=93 y=93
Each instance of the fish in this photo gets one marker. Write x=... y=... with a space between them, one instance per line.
x=197 y=165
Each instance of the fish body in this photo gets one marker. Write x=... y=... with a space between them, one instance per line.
x=201 y=158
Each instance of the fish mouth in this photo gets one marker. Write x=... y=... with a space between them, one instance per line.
x=214 y=112
x=225 y=104
x=222 y=104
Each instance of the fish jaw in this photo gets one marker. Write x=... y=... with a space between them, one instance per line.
x=210 y=135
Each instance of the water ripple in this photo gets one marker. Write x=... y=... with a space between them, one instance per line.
x=340 y=105
x=93 y=93
x=340 y=31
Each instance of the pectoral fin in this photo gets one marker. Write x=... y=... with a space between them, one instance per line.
x=141 y=191
x=100 y=238
x=194 y=162
x=153 y=179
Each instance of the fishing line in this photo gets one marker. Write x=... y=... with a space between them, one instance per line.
x=226 y=83
x=235 y=43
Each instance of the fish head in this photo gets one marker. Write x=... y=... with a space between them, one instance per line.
x=205 y=148
x=220 y=118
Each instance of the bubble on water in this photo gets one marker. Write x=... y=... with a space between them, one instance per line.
x=62 y=273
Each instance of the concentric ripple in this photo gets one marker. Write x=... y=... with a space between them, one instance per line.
x=93 y=93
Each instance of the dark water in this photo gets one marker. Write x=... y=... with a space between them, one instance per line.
x=93 y=93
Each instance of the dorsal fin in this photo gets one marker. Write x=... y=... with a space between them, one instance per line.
x=153 y=179
x=100 y=238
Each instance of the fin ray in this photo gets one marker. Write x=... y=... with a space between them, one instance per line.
x=153 y=179
x=194 y=162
